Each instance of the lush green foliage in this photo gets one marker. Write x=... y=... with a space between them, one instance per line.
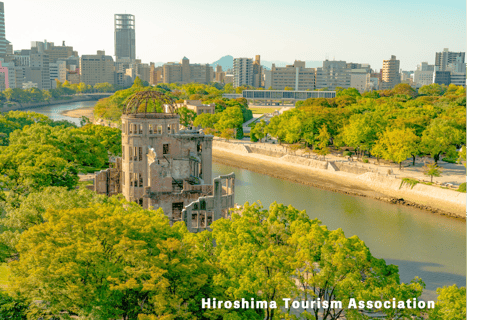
x=392 y=124
x=462 y=187
x=451 y=304
x=38 y=152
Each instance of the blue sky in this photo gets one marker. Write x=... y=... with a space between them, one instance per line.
x=355 y=31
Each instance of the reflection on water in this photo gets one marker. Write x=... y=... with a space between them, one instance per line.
x=421 y=243
x=54 y=112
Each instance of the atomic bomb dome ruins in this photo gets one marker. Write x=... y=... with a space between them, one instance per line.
x=165 y=167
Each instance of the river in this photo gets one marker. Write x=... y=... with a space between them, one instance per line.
x=421 y=243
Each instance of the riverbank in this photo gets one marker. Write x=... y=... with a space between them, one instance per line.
x=25 y=106
x=355 y=182
x=79 y=113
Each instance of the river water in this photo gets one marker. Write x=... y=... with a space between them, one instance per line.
x=421 y=243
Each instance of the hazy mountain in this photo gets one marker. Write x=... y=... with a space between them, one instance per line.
x=225 y=62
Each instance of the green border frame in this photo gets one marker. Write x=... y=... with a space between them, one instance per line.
x=473 y=130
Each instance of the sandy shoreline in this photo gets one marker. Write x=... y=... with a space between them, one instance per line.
x=342 y=182
x=78 y=113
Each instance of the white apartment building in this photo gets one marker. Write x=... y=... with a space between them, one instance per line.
x=242 y=72
x=360 y=80
x=333 y=74
x=58 y=71
x=423 y=76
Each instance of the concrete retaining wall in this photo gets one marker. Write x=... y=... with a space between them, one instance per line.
x=237 y=147
x=267 y=152
x=450 y=200
x=351 y=168
x=306 y=162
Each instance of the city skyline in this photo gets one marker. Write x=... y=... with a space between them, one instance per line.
x=207 y=32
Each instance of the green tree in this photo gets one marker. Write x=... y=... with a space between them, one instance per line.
x=432 y=170
x=322 y=141
x=258 y=131
x=122 y=261
x=31 y=167
x=451 y=304
x=206 y=120
x=433 y=89
x=440 y=137
x=47 y=95
x=397 y=145
x=82 y=87
x=231 y=118
x=187 y=116
x=137 y=83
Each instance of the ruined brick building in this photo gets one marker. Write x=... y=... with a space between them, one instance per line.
x=164 y=167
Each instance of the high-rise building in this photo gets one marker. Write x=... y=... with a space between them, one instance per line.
x=390 y=73
x=3 y=40
x=333 y=74
x=257 y=72
x=242 y=72
x=39 y=71
x=294 y=76
x=125 y=36
x=97 y=68
x=444 y=58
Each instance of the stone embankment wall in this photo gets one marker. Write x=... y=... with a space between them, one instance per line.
x=447 y=200
x=237 y=147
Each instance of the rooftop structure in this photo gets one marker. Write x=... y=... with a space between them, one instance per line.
x=270 y=97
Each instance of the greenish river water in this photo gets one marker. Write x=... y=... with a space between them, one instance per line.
x=421 y=243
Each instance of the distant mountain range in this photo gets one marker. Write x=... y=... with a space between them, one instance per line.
x=227 y=63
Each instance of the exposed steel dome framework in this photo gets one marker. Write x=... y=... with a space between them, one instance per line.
x=135 y=101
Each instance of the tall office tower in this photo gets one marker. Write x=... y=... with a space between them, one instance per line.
x=3 y=41
x=257 y=72
x=125 y=36
x=390 y=73
x=242 y=72
x=444 y=58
